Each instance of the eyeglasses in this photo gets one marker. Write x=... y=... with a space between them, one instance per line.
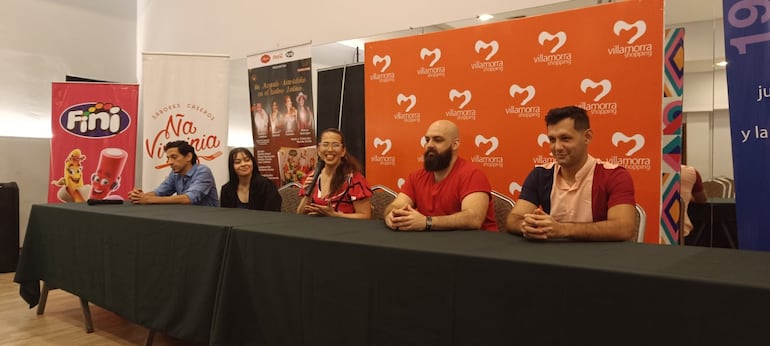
x=326 y=145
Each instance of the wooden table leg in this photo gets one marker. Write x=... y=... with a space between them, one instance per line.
x=87 y=315
x=150 y=337
x=43 y=298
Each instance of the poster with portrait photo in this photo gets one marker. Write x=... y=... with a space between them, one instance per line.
x=282 y=111
x=296 y=163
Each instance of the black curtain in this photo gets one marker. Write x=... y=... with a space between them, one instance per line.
x=83 y=79
x=352 y=124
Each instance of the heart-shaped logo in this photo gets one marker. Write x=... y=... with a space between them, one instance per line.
x=423 y=141
x=400 y=182
x=605 y=84
x=466 y=95
x=638 y=139
x=403 y=98
x=380 y=142
x=640 y=25
x=514 y=187
x=542 y=139
x=560 y=37
x=483 y=45
x=515 y=89
x=376 y=60
x=481 y=139
x=436 y=53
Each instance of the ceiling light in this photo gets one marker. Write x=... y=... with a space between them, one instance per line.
x=485 y=17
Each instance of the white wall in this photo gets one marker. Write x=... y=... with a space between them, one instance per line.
x=26 y=163
x=705 y=100
x=705 y=105
x=699 y=146
x=722 y=150
x=42 y=41
x=708 y=40
x=709 y=146
x=704 y=91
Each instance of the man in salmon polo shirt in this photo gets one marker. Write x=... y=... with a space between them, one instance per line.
x=576 y=197
x=448 y=193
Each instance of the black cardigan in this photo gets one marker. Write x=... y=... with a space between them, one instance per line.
x=263 y=195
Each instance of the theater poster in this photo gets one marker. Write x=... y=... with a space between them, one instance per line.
x=282 y=113
x=747 y=46
x=498 y=81
x=94 y=141
x=184 y=97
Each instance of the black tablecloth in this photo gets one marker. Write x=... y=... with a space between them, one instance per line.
x=306 y=281
x=228 y=277
x=158 y=266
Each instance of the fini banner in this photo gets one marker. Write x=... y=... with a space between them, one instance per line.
x=282 y=116
x=498 y=81
x=747 y=46
x=184 y=97
x=94 y=141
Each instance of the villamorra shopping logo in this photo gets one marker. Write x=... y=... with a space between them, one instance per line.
x=382 y=63
x=382 y=146
x=629 y=161
x=487 y=160
x=431 y=71
x=542 y=140
x=406 y=103
x=514 y=187
x=600 y=89
x=553 y=57
x=630 y=48
x=464 y=98
x=423 y=143
x=523 y=109
x=490 y=49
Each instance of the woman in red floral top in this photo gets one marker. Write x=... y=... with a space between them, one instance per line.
x=341 y=189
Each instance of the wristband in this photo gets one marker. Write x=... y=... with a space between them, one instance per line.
x=428 y=223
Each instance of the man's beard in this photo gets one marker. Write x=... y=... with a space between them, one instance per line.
x=437 y=161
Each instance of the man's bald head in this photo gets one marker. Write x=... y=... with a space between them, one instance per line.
x=444 y=128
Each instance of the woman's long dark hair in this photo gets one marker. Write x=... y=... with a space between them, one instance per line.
x=231 y=162
x=348 y=164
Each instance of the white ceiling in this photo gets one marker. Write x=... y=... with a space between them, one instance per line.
x=688 y=11
x=676 y=11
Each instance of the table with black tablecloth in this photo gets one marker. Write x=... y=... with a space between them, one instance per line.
x=158 y=266
x=324 y=281
x=227 y=277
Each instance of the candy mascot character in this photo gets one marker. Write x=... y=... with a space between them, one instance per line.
x=106 y=179
x=72 y=189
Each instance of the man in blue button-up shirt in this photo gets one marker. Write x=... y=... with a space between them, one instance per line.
x=188 y=183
